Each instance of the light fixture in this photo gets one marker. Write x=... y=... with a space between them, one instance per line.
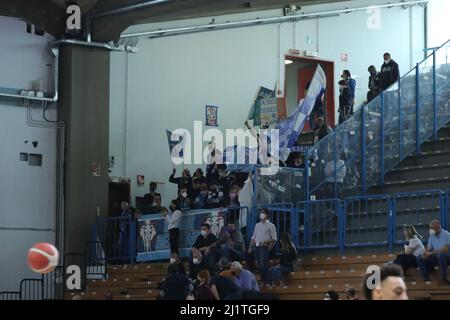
x=287 y=61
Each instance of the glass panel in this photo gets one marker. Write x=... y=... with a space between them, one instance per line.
x=373 y=141
x=409 y=114
x=443 y=84
x=285 y=186
x=391 y=128
x=426 y=116
x=348 y=153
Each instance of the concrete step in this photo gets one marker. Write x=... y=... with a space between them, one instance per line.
x=413 y=172
x=393 y=187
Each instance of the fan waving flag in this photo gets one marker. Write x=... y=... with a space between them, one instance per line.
x=291 y=127
x=176 y=144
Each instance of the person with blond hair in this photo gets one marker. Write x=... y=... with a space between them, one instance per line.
x=413 y=249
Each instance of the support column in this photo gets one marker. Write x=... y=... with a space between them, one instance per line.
x=84 y=106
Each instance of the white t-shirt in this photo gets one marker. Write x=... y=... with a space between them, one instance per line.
x=416 y=245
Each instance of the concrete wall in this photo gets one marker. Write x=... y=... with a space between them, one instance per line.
x=167 y=84
x=27 y=193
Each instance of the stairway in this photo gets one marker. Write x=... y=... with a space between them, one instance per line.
x=314 y=276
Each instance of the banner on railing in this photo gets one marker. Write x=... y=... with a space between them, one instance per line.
x=153 y=235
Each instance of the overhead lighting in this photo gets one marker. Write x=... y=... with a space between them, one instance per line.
x=287 y=61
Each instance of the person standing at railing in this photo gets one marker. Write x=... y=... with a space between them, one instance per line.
x=173 y=219
x=263 y=240
x=345 y=101
x=374 y=83
x=413 y=249
x=351 y=84
x=436 y=253
x=390 y=72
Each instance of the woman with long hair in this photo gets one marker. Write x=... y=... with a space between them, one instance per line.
x=413 y=249
x=287 y=260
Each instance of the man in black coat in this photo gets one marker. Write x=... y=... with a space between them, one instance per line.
x=390 y=72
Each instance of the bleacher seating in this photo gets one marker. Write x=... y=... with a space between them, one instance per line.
x=314 y=276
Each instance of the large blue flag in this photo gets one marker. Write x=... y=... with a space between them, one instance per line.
x=291 y=127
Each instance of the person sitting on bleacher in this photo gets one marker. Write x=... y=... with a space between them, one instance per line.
x=232 y=243
x=436 y=253
x=413 y=249
x=225 y=288
x=149 y=197
x=391 y=286
x=175 y=286
x=215 y=197
x=287 y=260
x=183 y=201
x=155 y=207
x=203 y=290
x=244 y=278
x=203 y=255
x=202 y=197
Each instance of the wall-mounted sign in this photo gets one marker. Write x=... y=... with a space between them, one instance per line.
x=211 y=116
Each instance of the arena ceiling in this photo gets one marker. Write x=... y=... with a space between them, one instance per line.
x=50 y=15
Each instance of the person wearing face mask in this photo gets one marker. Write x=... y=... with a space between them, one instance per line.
x=436 y=253
x=232 y=243
x=263 y=240
x=413 y=249
x=149 y=197
x=351 y=84
x=183 y=201
x=156 y=205
x=345 y=101
x=185 y=181
x=204 y=254
x=202 y=197
x=173 y=219
x=391 y=287
x=390 y=72
x=175 y=259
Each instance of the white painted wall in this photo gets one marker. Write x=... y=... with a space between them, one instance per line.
x=27 y=193
x=439 y=23
x=171 y=79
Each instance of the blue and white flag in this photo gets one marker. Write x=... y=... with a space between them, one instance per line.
x=291 y=127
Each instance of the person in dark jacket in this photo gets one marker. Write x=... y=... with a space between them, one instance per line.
x=184 y=181
x=390 y=72
x=374 y=83
x=175 y=286
x=322 y=130
x=183 y=201
x=287 y=257
x=197 y=180
x=344 y=101
x=351 y=84
x=149 y=197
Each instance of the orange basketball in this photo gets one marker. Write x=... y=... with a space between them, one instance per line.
x=43 y=257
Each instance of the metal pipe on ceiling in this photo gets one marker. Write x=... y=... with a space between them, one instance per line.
x=257 y=21
x=139 y=6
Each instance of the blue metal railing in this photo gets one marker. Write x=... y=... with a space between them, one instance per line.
x=382 y=133
x=361 y=221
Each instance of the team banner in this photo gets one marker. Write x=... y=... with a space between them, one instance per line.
x=153 y=236
x=211 y=116
x=291 y=127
